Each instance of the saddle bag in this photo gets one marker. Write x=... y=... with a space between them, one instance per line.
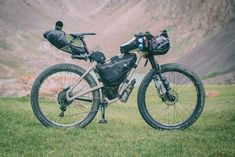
x=65 y=42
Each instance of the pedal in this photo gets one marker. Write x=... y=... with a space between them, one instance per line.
x=103 y=121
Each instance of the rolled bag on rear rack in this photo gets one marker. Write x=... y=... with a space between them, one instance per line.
x=65 y=42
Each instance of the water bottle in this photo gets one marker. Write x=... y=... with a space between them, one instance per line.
x=124 y=97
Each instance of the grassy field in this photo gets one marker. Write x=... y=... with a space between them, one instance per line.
x=126 y=134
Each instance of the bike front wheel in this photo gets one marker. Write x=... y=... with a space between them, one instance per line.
x=187 y=106
x=49 y=101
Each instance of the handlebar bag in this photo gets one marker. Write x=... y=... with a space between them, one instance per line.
x=160 y=45
x=65 y=42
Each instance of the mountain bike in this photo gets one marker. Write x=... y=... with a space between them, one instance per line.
x=170 y=96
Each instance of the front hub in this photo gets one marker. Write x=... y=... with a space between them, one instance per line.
x=172 y=98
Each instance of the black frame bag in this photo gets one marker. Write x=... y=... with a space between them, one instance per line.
x=115 y=71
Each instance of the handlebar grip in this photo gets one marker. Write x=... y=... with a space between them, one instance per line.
x=148 y=35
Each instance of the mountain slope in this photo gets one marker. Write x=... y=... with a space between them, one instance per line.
x=192 y=25
x=215 y=55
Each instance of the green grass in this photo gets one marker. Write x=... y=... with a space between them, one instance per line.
x=126 y=134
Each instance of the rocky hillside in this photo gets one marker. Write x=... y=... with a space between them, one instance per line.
x=213 y=58
x=195 y=27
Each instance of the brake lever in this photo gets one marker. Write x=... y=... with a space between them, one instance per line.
x=148 y=35
x=146 y=62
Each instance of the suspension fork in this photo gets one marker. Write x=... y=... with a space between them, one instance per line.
x=165 y=82
x=156 y=67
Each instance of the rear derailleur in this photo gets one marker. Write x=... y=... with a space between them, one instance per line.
x=63 y=102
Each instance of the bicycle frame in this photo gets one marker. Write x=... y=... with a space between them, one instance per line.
x=91 y=69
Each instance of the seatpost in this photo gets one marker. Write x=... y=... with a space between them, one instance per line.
x=85 y=47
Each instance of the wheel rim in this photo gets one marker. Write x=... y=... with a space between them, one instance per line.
x=51 y=94
x=172 y=113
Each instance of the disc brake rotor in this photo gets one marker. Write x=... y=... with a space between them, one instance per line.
x=172 y=98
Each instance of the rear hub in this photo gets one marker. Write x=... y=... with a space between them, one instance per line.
x=63 y=102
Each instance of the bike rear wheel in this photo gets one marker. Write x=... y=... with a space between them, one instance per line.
x=48 y=95
x=181 y=113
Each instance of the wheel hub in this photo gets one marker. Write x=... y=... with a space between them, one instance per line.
x=172 y=98
x=63 y=102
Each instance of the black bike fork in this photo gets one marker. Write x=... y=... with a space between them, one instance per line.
x=157 y=67
x=154 y=64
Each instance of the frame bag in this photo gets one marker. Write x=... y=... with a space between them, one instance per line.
x=114 y=72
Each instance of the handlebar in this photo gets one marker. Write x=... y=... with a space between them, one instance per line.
x=148 y=35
